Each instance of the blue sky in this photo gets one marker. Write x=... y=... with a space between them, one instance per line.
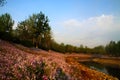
x=87 y=22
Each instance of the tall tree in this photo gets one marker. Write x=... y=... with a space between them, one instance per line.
x=46 y=41
x=6 y=24
x=23 y=30
x=36 y=29
x=41 y=28
x=113 y=48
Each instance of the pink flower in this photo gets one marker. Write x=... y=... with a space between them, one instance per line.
x=44 y=77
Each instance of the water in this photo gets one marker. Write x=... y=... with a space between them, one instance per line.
x=108 y=69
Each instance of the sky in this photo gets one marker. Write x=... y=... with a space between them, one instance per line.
x=87 y=22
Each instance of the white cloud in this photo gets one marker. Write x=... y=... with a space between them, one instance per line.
x=71 y=23
x=92 y=31
x=102 y=22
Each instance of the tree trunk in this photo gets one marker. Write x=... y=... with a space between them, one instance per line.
x=36 y=45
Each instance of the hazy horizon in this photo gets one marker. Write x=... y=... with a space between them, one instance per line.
x=75 y=22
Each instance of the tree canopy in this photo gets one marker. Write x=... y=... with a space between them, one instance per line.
x=36 y=29
x=113 y=48
x=6 y=24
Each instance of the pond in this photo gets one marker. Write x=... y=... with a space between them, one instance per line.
x=108 y=69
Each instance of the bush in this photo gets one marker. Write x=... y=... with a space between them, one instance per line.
x=26 y=43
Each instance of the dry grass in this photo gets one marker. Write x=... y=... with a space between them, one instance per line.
x=115 y=62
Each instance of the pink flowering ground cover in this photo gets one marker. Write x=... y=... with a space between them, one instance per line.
x=18 y=64
x=21 y=63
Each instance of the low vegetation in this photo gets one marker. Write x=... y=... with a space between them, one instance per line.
x=18 y=63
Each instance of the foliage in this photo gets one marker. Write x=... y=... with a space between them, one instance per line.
x=6 y=24
x=60 y=75
x=99 y=50
x=36 y=29
x=113 y=48
x=33 y=71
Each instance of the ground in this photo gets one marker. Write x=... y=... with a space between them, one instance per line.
x=21 y=63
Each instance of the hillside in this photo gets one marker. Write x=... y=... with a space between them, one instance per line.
x=21 y=63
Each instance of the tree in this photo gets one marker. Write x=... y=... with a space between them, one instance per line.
x=113 y=48
x=81 y=48
x=99 y=50
x=69 y=48
x=54 y=45
x=46 y=41
x=36 y=29
x=62 y=48
x=23 y=30
x=42 y=28
x=118 y=48
x=25 y=33
x=6 y=24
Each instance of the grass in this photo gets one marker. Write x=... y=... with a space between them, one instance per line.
x=108 y=61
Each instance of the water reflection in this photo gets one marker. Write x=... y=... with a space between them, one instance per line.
x=114 y=71
x=108 y=69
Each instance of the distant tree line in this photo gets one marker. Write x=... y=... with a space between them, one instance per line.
x=74 y=49
x=36 y=32
x=113 y=48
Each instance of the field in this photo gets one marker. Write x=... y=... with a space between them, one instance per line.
x=21 y=63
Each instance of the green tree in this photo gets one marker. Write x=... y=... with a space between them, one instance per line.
x=23 y=30
x=54 y=46
x=37 y=30
x=46 y=40
x=24 y=33
x=99 y=50
x=6 y=24
x=113 y=48
x=41 y=28
x=81 y=49
x=118 y=48
x=69 y=48
x=62 y=48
